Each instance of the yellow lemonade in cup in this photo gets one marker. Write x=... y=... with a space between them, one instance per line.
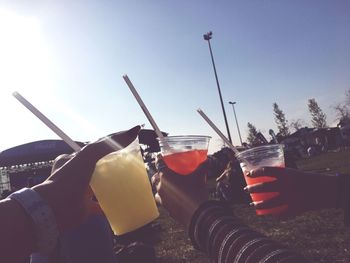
x=122 y=188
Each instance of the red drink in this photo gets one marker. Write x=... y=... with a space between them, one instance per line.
x=185 y=163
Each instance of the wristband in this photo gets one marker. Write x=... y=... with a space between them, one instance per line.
x=46 y=230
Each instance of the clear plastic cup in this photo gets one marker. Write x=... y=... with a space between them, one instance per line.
x=267 y=155
x=183 y=154
x=122 y=188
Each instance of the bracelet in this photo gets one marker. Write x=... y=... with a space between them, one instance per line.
x=46 y=230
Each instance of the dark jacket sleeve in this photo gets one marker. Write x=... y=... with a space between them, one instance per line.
x=218 y=233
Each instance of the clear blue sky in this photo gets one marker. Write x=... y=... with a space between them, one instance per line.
x=68 y=58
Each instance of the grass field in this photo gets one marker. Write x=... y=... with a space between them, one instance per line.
x=319 y=236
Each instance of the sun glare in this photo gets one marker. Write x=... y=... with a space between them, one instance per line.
x=24 y=57
x=24 y=67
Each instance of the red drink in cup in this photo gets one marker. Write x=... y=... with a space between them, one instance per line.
x=267 y=155
x=185 y=162
x=183 y=154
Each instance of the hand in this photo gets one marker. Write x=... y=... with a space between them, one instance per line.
x=65 y=190
x=92 y=206
x=301 y=191
x=181 y=195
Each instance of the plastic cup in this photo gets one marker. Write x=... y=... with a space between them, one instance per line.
x=267 y=155
x=183 y=154
x=123 y=190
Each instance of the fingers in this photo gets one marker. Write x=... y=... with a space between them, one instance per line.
x=270 y=203
x=267 y=171
x=158 y=199
x=110 y=143
x=155 y=179
x=160 y=165
x=262 y=187
x=156 y=184
x=124 y=138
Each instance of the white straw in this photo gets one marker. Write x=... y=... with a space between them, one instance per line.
x=143 y=107
x=211 y=124
x=47 y=122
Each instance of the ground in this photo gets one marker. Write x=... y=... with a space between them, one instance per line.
x=319 y=236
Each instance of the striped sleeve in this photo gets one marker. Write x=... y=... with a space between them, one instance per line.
x=218 y=233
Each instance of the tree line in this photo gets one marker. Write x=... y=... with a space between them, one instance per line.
x=318 y=118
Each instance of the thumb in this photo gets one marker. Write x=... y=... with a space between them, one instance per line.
x=158 y=199
x=80 y=168
x=60 y=161
x=113 y=142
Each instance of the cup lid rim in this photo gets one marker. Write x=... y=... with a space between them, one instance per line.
x=260 y=146
x=184 y=136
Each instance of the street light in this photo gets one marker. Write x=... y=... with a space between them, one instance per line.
x=234 y=112
x=207 y=37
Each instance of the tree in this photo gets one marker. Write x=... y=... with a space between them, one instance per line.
x=347 y=97
x=280 y=119
x=342 y=109
x=318 y=118
x=297 y=124
x=252 y=133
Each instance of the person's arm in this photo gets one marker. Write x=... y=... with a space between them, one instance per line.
x=64 y=193
x=301 y=191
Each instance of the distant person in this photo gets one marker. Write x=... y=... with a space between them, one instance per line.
x=230 y=184
x=225 y=168
x=311 y=151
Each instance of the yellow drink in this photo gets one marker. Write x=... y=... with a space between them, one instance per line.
x=123 y=190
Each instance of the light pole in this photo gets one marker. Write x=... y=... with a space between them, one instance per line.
x=234 y=112
x=207 y=37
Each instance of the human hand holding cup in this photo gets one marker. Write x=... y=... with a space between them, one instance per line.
x=180 y=195
x=251 y=159
x=92 y=207
x=65 y=189
x=119 y=181
x=302 y=191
